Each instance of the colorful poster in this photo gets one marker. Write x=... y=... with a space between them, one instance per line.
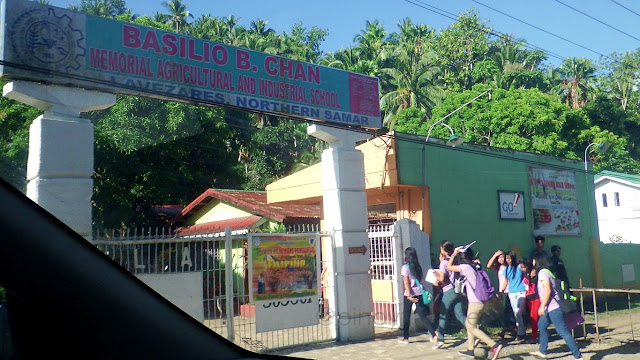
x=283 y=267
x=554 y=201
x=44 y=43
x=284 y=273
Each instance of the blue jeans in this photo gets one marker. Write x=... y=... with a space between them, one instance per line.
x=450 y=300
x=518 y=305
x=556 y=317
x=422 y=310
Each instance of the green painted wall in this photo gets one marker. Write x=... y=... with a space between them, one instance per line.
x=613 y=256
x=463 y=187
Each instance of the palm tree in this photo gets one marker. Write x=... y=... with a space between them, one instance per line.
x=178 y=14
x=412 y=74
x=578 y=71
x=371 y=40
x=160 y=17
x=259 y=27
x=104 y=8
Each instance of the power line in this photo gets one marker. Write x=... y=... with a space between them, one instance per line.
x=483 y=29
x=541 y=29
x=600 y=21
x=624 y=7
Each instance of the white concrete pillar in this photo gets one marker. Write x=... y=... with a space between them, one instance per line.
x=345 y=214
x=60 y=164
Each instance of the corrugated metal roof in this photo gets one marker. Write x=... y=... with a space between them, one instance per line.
x=626 y=177
x=254 y=202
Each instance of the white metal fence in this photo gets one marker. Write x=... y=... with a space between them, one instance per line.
x=382 y=241
x=225 y=283
x=223 y=263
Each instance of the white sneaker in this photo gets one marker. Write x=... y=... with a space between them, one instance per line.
x=438 y=345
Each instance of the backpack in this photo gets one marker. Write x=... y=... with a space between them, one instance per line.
x=566 y=300
x=483 y=289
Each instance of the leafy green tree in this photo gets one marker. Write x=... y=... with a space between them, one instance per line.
x=274 y=151
x=15 y=119
x=606 y=113
x=412 y=121
x=151 y=152
x=525 y=120
x=303 y=44
x=460 y=46
x=623 y=78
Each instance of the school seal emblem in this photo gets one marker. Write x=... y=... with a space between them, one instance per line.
x=47 y=39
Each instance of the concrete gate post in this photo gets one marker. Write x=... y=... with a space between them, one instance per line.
x=60 y=163
x=345 y=214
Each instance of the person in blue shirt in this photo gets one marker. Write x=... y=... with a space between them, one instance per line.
x=517 y=297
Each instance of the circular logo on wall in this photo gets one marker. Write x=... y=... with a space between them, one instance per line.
x=47 y=40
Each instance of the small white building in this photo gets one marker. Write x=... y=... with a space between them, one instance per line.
x=618 y=205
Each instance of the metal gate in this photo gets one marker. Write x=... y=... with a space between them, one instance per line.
x=221 y=260
x=382 y=241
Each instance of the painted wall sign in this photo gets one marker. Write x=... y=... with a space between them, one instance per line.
x=554 y=201
x=358 y=250
x=48 y=44
x=511 y=205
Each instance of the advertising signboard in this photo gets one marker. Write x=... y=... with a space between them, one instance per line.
x=284 y=278
x=554 y=201
x=47 y=44
x=511 y=205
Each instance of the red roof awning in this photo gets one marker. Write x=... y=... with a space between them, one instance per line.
x=219 y=226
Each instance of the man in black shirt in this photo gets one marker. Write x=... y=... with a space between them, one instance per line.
x=539 y=249
x=561 y=272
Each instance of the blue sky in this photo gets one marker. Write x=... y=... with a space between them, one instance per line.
x=346 y=18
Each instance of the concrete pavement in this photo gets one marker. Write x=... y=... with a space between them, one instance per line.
x=386 y=346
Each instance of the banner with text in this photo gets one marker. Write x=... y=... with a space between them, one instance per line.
x=284 y=278
x=554 y=201
x=53 y=45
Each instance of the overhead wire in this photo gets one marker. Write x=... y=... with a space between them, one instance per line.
x=600 y=21
x=624 y=7
x=488 y=31
x=539 y=28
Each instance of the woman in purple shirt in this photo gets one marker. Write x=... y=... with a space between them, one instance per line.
x=450 y=300
x=475 y=308
x=550 y=312
x=412 y=271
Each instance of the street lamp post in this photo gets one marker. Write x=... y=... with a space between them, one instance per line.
x=602 y=147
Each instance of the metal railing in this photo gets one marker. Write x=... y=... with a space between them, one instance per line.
x=600 y=297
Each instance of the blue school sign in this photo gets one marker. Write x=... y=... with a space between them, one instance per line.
x=49 y=44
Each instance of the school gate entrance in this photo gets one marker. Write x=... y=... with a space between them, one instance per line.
x=95 y=58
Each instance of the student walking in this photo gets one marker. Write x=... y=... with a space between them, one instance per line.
x=412 y=274
x=450 y=300
x=515 y=276
x=531 y=296
x=549 y=311
x=467 y=268
x=497 y=264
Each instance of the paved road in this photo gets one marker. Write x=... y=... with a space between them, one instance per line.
x=386 y=346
